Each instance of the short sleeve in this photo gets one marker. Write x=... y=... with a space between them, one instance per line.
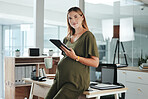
x=91 y=46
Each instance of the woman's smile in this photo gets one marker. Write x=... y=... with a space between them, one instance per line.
x=74 y=24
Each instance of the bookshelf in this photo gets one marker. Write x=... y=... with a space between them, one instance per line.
x=21 y=90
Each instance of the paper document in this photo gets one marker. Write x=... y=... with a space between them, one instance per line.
x=102 y=86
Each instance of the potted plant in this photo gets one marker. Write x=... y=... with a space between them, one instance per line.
x=17 y=52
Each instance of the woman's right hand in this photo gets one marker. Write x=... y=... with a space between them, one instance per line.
x=70 y=53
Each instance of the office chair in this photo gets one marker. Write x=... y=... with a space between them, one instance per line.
x=109 y=75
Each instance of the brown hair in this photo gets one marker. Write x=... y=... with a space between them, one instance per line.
x=71 y=30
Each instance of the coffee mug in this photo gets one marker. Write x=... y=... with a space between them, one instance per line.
x=48 y=62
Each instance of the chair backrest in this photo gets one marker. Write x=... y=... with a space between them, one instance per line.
x=108 y=73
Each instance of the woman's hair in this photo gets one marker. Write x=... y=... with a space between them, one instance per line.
x=71 y=30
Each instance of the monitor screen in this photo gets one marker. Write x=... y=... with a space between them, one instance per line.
x=107 y=75
x=34 y=52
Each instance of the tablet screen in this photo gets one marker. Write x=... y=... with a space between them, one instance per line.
x=58 y=43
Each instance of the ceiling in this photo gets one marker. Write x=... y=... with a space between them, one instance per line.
x=96 y=11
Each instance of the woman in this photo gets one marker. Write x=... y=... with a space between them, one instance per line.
x=73 y=77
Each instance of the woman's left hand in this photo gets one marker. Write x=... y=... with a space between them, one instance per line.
x=70 y=53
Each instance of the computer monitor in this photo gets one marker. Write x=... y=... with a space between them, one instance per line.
x=108 y=73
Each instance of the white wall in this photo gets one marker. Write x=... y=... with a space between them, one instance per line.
x=1 y=66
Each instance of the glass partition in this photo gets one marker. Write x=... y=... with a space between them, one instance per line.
x=110 y=18
x=119 y=11
x=95 y=13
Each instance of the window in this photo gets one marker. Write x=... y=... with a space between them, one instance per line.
x=94 y=20
x=18 y=37
x=55 y=22
x=53 y=32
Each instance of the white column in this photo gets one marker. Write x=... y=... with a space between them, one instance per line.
x=116 y=21
x=0 y=49
x=116 y=13
x=1 y=66
x=39 y=24
x=81 y=4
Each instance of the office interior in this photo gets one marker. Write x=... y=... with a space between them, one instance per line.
x=18 y=19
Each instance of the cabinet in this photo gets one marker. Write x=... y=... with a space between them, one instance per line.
x=14 y=91
x=135 y=80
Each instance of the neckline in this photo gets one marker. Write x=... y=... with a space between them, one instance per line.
x=78 y=38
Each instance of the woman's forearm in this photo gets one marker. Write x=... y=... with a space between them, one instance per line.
x=93 y=61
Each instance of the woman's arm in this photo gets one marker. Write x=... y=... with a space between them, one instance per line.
x=92 y=61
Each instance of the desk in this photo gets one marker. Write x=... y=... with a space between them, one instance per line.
x=97 y=93
x=44 y=86
x=14 y=87
x=39 y=88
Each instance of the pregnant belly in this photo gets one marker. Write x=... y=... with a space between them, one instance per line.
x=67 y=65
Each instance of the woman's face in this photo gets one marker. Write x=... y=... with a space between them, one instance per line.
x=75 y=20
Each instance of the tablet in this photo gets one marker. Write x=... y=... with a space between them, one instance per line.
x=58 y=43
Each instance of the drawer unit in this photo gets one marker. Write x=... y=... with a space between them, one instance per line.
x=137 y=89
x=135 y=81
x=133 y=96
x=138 y=77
